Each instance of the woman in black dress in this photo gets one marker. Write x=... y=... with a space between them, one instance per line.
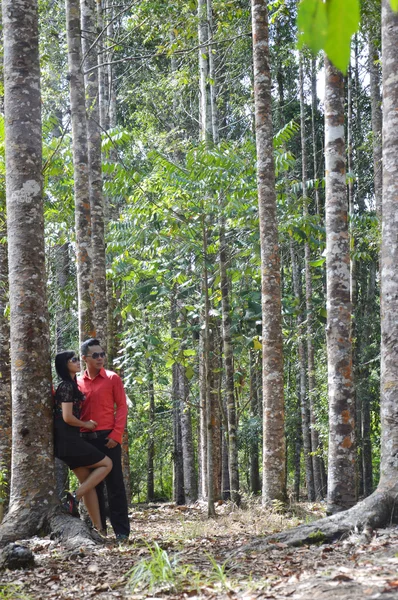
x=89 y=464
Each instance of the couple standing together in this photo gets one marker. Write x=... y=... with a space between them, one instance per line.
x=90 y=414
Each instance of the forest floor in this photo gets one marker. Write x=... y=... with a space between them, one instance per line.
x=176 y=552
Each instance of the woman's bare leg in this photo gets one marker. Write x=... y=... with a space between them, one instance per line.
x=89 y=477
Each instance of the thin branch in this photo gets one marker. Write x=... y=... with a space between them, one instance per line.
x=167 y=53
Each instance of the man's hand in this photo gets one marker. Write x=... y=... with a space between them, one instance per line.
x=111 y=443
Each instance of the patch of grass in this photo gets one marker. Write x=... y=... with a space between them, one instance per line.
x=317 y=537
x=160 y=571
x=11 y=591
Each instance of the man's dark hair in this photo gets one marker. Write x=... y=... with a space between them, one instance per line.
x=61 y=364
x=86 y=345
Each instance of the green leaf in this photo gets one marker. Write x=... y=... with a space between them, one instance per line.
x=343 y=21
x=394 y=5
x=312 y=24
x=257 y=344
x=317 y=263
x=189 y=373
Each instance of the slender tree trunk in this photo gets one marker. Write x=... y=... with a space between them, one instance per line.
x=314 y=108
x=274 y=481
x=377 y=118
x=33 y=491
x=255 y=483
x=126 y=464
x=229 y=369
x=366 y=457
x=90 y=56
x=62 y=265
x=103 y=82
x=179 y=495
x=341 y=467
x=111 y=75
x=205 y=121
x=206 y=373
x=212 y=74
x=188 y=454
x=202 y=453
x=151 y=435
x=215 y=408
x=353 y=279
x=303 y=400
x=81 y=179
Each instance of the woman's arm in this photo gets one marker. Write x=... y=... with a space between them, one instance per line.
x=69 y=417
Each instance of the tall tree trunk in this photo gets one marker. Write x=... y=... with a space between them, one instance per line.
x=274 y=479
x=341 y=466
x=316 y=461
x=215 y=408
x=103 y=81
x=85 y=286
x=90 y=64
x=188 y=454
x=178 y=491
x=357 y=399
x=205 y=122
x=5 y=373
x=209 y=397
x=5 y=376
x=303 y=401
x=255 y=483
x=202 y=432
x=62 y=265
x=32 y=480
x=377 y=118
x=151 y=435
x=389 y=252
x=314 y=108
x=126 y=464
x=229 y=369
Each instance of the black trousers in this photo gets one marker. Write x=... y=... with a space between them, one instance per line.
x=116 y=492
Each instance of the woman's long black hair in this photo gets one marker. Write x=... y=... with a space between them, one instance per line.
x=61 y=366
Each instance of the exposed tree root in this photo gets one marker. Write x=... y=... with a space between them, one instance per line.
x=376 y=511
x=68 y=530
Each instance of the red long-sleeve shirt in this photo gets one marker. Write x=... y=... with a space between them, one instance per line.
x=105 y=402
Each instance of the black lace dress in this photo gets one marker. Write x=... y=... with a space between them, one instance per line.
x=68 y=445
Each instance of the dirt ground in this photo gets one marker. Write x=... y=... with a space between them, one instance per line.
x=176 y=552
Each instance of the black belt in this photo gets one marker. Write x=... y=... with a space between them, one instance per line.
x=94 y=435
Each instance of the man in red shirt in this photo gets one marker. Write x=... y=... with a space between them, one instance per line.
x=106 y=403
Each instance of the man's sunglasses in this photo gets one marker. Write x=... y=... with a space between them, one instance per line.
x=96 y=355
x=74 y=359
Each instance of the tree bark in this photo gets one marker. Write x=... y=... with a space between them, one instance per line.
x=302 y=387
x=90 y=61
x=377 y=122
x=205 y=121
x=255 y=483
x=32 y=481
x=314 y=108
x=274 y=479
x=229 y=369
x=341 y=467
x=5 y=375
x=85 y=285
x=151 y=435
x=188 y=454
x=389 y=252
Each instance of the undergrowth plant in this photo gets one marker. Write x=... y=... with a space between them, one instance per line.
x=159 y=570
x=11 y=591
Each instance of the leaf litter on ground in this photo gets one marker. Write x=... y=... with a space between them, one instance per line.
x=175 y=554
